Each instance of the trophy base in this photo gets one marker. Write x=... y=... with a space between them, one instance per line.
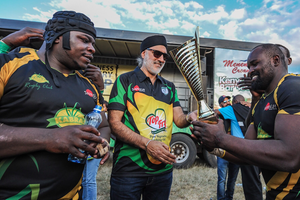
x=212 y=119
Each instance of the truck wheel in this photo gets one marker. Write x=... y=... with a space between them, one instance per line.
x=210 y=159
x=184 y=148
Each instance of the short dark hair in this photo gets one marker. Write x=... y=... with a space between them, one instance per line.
x=287 y=51
x=238 y=98
x=271 y=50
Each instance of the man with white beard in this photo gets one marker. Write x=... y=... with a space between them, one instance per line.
x=141 y=110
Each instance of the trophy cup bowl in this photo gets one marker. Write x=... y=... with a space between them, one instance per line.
x=187 y=59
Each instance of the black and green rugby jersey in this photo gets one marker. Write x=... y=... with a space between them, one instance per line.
x=283 y=100
x=148 y=111
x=29 y=98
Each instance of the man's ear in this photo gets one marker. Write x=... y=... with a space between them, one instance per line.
x=143 y=54
x=276 y=60
x=290 y=61
x=58 y=40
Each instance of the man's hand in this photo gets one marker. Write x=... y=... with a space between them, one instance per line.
x=23 y=37
x=103 y=151
x=246 y=83
x=71 y=138
x=192 y=116
x=209 y=134
x=160 y=151
x=94 y=73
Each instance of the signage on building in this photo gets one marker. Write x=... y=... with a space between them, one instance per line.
x=230 y=65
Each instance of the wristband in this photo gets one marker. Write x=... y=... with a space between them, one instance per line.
x=147 y=144
x=4 y=48
x=218 y=152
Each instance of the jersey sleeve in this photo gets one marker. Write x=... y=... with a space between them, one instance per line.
x=118 y=97
x=288 y=96
x=176 y=101
x=5 y=72
x=227 y=112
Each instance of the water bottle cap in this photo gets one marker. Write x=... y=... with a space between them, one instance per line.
x=98 y=108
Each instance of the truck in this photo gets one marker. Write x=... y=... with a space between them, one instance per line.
x=223 y=62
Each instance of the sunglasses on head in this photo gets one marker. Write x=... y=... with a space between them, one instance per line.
x=157 y=54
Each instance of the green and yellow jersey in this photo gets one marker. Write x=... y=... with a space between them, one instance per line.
x=148 y=111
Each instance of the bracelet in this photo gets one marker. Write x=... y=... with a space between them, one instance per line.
x=187 y=118
x=147 y=144
x=4 y=48
x=218 y=152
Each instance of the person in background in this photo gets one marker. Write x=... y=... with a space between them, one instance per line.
x=225 y=168
x=46 y=140
x=141 y=110
x=237 y=114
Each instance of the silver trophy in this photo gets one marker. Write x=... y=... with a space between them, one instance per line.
x=187 y=59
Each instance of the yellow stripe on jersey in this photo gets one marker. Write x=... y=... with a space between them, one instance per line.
x=10 y=67
x=98 y=102
x=24 y=50
x=73 y=194
x=276 y=89
x=286 y=113
x=292 y=182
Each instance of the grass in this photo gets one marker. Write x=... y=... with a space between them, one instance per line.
x=196 y=183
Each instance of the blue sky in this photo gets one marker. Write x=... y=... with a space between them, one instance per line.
x=266 y=21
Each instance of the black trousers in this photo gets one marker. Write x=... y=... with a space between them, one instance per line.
x=251 y=182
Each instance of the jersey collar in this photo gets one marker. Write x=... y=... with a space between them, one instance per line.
x=141 y=76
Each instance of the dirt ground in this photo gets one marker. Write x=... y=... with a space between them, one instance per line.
x=196 y=183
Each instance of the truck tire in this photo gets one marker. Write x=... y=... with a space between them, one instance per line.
x=210 y=159
x=184 y=148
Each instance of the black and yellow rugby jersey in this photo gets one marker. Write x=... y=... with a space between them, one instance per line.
x=29 y=98
x=283 y=100
x=148 y=111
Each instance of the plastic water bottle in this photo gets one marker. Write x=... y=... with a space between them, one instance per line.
x=94 y=119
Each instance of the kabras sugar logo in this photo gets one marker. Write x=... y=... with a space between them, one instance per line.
x=138 y=89
x=157 y=121
x=90 y=93
x=67 y=116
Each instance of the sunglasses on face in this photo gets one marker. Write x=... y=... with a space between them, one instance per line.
x=157 y=54
x=226 y=101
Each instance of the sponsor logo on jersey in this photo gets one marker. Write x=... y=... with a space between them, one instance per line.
x=138 y=89
x=270 y=106
x=67 y=116
x=157 y=121
x=262 y=134
x=39 y=82
x=38 y=78
x=90 y=93
x=164 y=90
